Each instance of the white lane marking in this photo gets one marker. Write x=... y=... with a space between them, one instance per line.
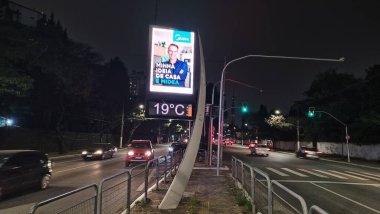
x=331 y=174
x=349 y=199
x=294 y=172
x=366 y=176
x=87 y=165
x=313 y=173
x=376 y=175
x=352 y=176
x=277 y=172
x=327 y=182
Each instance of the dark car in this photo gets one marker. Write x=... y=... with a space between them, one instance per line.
x=139 y=151
x=99 y=151
x=308 y=152
x=23 y=169
x=175 y=147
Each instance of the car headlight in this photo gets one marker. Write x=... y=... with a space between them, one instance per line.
x=130 y=153
x=98 y=152
x=84 y=152
x=170 y=149
x=148 y=153
x=115 y=149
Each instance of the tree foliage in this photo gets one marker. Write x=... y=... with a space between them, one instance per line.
x=352 y=100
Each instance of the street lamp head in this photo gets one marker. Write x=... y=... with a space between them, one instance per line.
x=9 y=122
x=277 y=112
x=141 y=106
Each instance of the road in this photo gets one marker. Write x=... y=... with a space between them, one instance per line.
x=72 y=172
x=335 y=187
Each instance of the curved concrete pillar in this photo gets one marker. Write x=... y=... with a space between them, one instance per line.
x=178 y=186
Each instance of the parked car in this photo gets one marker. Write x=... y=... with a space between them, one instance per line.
x=139 y=151
x=308 y=152
x=22 y=169
x=99 y=151
x=260 y=149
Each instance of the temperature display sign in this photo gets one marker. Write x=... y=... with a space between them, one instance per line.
x=170 y=110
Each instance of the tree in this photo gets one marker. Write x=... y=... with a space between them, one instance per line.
x=278 y=121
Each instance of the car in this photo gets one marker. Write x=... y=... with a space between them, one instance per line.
x=23 y=169
x=251 y=145
x=260 y=149
x=175 y=147
x=308 y=152
x=99 y=151
x=139 y=151
x=228 y=141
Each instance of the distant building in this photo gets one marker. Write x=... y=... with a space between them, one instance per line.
x=15 y=12
x=137 y=84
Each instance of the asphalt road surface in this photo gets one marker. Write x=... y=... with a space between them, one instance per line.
x=335 y=187
x=70 y=173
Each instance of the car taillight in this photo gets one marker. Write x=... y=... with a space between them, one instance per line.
x=130 y=153
x=148 y=153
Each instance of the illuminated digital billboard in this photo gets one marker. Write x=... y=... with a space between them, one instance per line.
x=171 y=61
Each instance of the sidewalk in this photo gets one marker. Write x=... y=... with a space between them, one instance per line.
x=205 y=193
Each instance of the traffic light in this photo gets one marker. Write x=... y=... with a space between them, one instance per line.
x=310 y=113
x=244 y=108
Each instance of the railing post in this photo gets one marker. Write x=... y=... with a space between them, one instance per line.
x=252 y=190
x=157 y=172
x=146 y=175
x=129 y=184
x=171 y=164
x=242 y=173
x=270 y=196
x=98 y=202
x=97 y=198
x=165 y=170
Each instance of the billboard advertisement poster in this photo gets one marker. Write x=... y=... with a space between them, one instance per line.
x=171 y=61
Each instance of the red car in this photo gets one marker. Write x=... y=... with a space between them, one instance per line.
x=139 y=151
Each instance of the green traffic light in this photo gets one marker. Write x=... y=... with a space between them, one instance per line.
x=310 y=113
x=244 y=109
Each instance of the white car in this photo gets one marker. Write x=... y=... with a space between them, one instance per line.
x=260 y=149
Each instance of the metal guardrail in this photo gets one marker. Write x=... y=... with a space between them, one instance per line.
x=84 y=206
x=113 y=194
x=258 y=189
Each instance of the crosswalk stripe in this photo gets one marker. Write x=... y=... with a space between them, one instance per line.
x=331 y=174
x=371 y=174
x=313 y=173
x=277 y=172
x=352 y=176
x=366 y=176
x=294 y=172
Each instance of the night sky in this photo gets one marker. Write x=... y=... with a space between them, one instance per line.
x=231 y=29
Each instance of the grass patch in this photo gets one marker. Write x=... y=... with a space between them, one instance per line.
x=192 y=204
x=241 y=200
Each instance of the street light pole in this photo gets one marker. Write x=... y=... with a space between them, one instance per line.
x=298 y=134
x=347 y=136
x=122 y=128
x=211 y=123
x=220 y=134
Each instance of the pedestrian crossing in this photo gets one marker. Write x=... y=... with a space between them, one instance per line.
x=323 y=173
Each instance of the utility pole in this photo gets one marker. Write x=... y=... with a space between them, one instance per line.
x=122 y=128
